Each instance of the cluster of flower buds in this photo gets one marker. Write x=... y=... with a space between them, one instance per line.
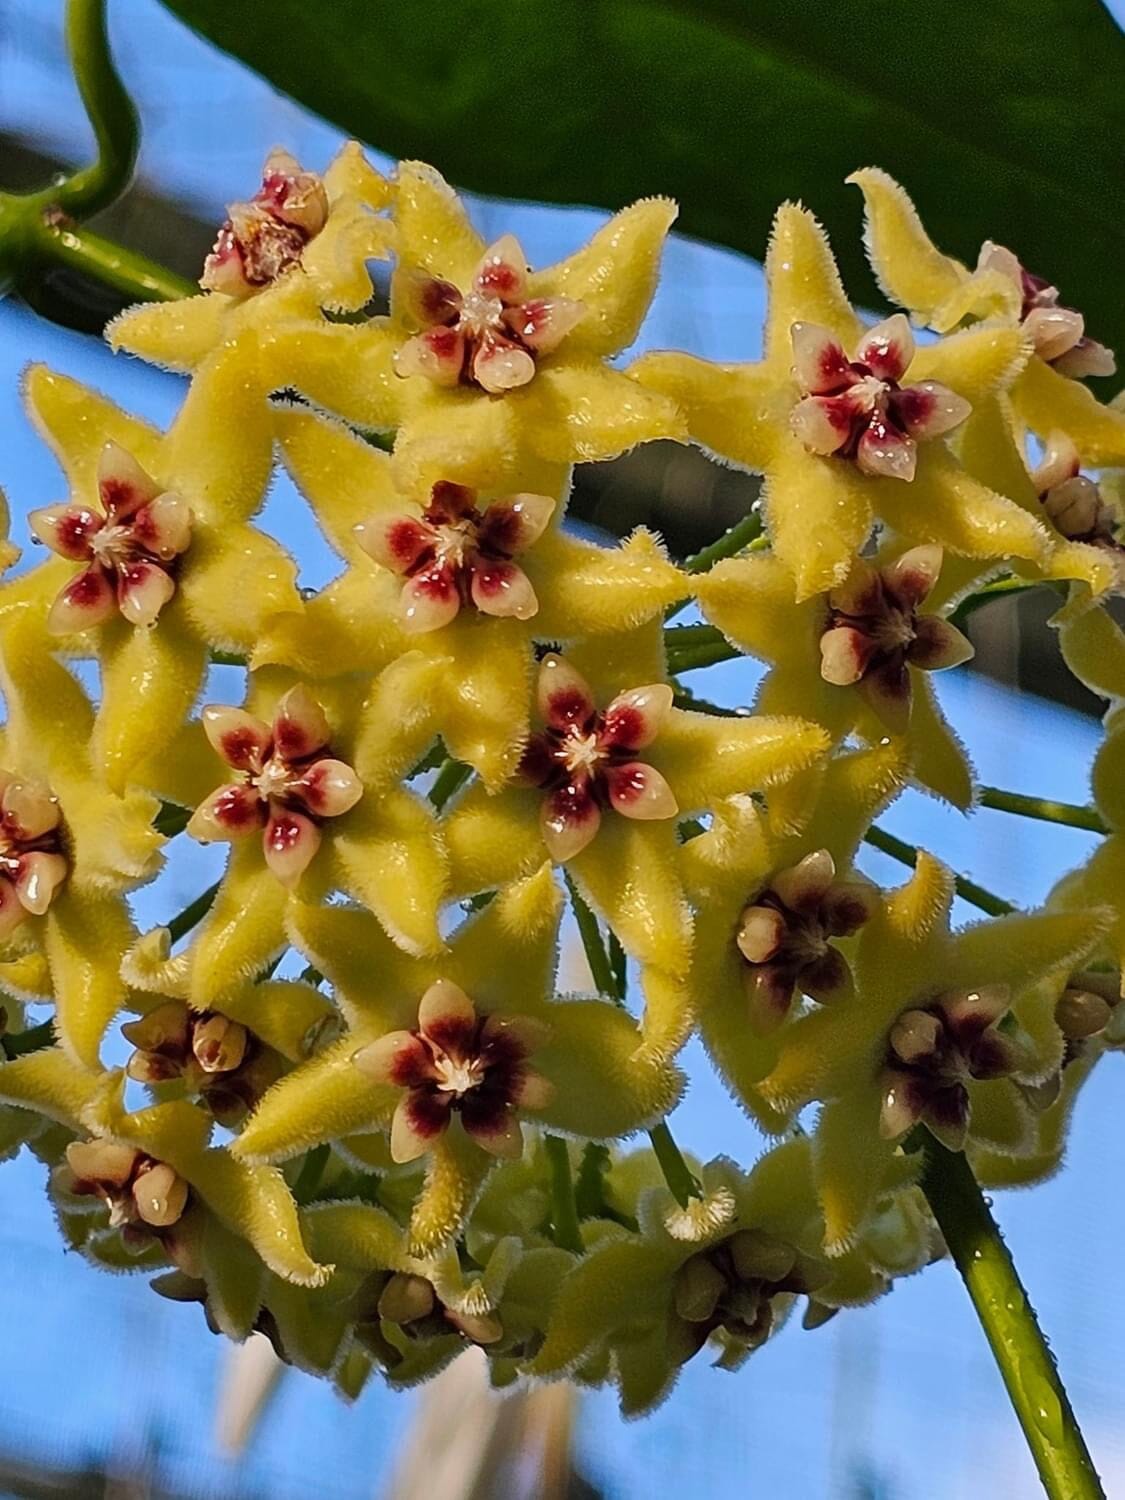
x=479 y=726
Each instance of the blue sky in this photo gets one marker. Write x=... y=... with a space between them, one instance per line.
x=904 y=1393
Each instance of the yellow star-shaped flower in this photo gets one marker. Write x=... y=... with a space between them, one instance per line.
x=939 y=290
x=482 y=363
x=856 y=659
x=154 y=560
x=604 y=781
x=303 y=782
x=847 y=423
x=298 y=247
x=450 y=1053
x=71 y=846
x=944 y=1029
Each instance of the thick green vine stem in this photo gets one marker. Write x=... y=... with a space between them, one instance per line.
x=129 y=272
x=111 y=112
x=1010 y=1326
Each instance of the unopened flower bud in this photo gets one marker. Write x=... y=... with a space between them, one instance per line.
x=406 y=1298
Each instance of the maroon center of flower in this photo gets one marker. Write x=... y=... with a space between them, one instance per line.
x=264 y=238
x=462 y=1066
x=732 y=1287
x=490 y=335
x=33 y=862
x=858 y=408
x=784 y=937
x=1057 y=332
x=935 y=1051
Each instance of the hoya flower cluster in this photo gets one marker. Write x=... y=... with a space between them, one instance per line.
x=343 y=1098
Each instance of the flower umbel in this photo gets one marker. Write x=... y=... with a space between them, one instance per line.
x=1058 y=333
x=456 y=1062
x=130 y=551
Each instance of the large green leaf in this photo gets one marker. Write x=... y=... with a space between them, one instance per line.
x=1004 y=119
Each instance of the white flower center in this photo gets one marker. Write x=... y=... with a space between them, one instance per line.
x=582 y=752
x=274 y=779
x=454 y=541
x=480 y=314
x=869 y=393
x=458 y=1075
x=113 y=546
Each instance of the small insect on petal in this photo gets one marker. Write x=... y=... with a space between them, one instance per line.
x=163 y=527
x=639 y=791
x=563 y=695
x=503 y=589
x=143 y=589
x=289 y=840
x=86 y=601
x=230 y=812
x=398 y=543
x=929 y=409
x=515 y=523
x=66 y=529
x=28 y=810
x=844 y=655
x=1054 y=330
x=885 y=452
x=430 y=599
x=330 y=788
x=634 y=718
x=300 y=727
x=888 y=348
x=160 y=1195
x=438 y=355
x=123 y=485
x=569 y=820
x=242 y=739
x=544 y=322
x=502 y=271
x=804 y=885
x=500 y=365
x=937 y=645
x=819 y=362
x=38 y=878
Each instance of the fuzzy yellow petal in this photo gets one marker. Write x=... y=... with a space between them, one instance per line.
x=235 y=584
x=346 y=369
x=344 y=479
x=335 y=260
x=482 y=713
x=584 y=589
x=85 y=940
x=256 y=1202
x=849 y=1163
x=938 y=759
x=614 y=276
x=582 y=411
x=946 y=505
x=177 y=335
x=737 y=412
x=150 y=678
x=911 y=270
x=1093 y=647
x=76 y=423
x=321 y=1101
x=705 y=757
x=975 y=363
x=629 y=874
x=391 y=857
x=1047 y=401
x=51 y=1083
x=244 y=929
x=492 y=840
x=819 y=514
x=434 y=230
